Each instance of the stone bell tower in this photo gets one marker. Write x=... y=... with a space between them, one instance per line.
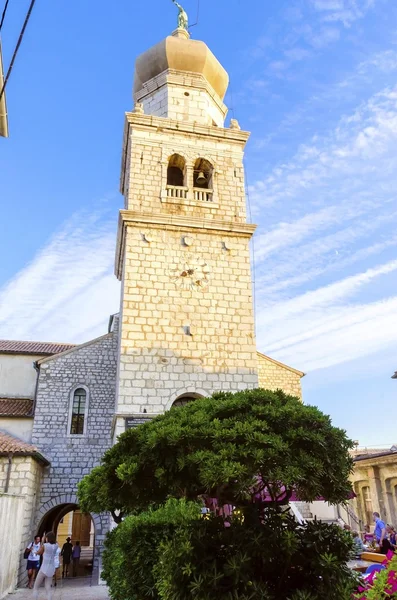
x=187 y=325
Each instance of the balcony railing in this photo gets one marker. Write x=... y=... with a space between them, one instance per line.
x=176 y=191
x=203 y=195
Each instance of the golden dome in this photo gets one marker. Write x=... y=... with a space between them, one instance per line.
x=179 y=53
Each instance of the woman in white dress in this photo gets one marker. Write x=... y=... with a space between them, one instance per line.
x=49 y=551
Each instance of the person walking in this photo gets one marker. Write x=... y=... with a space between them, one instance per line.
x=66 y=554
x=48 y=550
x=57 y=563
x=33 y=564
x=76 y=558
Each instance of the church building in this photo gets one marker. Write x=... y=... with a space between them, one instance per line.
x=186 y=324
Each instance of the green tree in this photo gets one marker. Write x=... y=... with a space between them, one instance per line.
x=219 y=447
x=250 y=450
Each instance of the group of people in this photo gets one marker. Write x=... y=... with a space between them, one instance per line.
x=384 y=537
x=43 y=556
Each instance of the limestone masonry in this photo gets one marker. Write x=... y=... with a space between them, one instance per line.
x=186 y=325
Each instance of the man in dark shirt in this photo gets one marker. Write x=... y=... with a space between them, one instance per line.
x=66 y=554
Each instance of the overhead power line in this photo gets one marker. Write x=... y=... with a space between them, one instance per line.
x=3 y=14
x=32 y=3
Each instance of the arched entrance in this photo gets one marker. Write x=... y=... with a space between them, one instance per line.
x=66 y=520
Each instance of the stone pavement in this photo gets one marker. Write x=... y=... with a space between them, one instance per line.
x=77 y=589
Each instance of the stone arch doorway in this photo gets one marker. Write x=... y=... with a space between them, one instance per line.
x=190 y=392
x=62 y=515
x=186 y=398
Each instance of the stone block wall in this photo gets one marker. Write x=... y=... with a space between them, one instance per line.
x=175 y=339
x=25 y=480
x=92 y=365
x=151 y=141
x=183 y=97
x=274 y=375
x=11 y=517
x=183 y=333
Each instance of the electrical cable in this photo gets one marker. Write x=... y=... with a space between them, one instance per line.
x=198 y=15
x=3 y=15
x=17 y=47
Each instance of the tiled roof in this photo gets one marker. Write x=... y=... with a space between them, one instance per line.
x=47 y=348
x=12 y=445
x=370 y=455
x=16 y=407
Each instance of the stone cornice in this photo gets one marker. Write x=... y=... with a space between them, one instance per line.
x=173 y=222
x=162 y=124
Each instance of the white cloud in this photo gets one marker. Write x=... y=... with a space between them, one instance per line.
x=325 y=275
x=296 y=54
x=345 y=11
x=324 y=37
x=67 y=288
x=359 y=139
x=385 y=61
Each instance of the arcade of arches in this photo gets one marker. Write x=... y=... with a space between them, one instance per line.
x=375 y=485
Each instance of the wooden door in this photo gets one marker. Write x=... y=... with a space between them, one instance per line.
x=81 y=528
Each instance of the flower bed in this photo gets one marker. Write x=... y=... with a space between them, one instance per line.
x=382 y=584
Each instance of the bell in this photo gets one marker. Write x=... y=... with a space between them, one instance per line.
x=201 y=178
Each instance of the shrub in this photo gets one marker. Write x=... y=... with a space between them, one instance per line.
x=273 y=559
x=251 y=450
x=132 y=548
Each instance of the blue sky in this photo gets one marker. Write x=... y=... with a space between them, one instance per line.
x=315 y=83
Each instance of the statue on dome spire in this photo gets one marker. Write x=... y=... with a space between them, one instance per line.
x=182 y=17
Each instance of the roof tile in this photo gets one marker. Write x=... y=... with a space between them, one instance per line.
x=47 y=348
x=8 y=444
x=12 y=445
x=16 y=407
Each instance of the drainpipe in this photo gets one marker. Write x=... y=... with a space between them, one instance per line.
x=7 y=484
x=36 y=366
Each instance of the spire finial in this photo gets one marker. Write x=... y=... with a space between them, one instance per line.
x=183 y=21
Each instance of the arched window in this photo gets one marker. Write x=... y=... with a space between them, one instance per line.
x=367 y=503
x=78 y=414
x=202 y=174
x=176 y=171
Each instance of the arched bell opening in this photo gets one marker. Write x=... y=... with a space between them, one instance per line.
x=203 y=174
x=176 y=171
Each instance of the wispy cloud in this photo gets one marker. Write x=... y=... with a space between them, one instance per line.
x=344 y=186
x=68 y=288
x=363 y=136
x=345 y=11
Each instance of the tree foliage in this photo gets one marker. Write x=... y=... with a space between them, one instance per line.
x=250 y=450
x=270 y=558
x=173 y=554
x=218 y=447
x=132 y=549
